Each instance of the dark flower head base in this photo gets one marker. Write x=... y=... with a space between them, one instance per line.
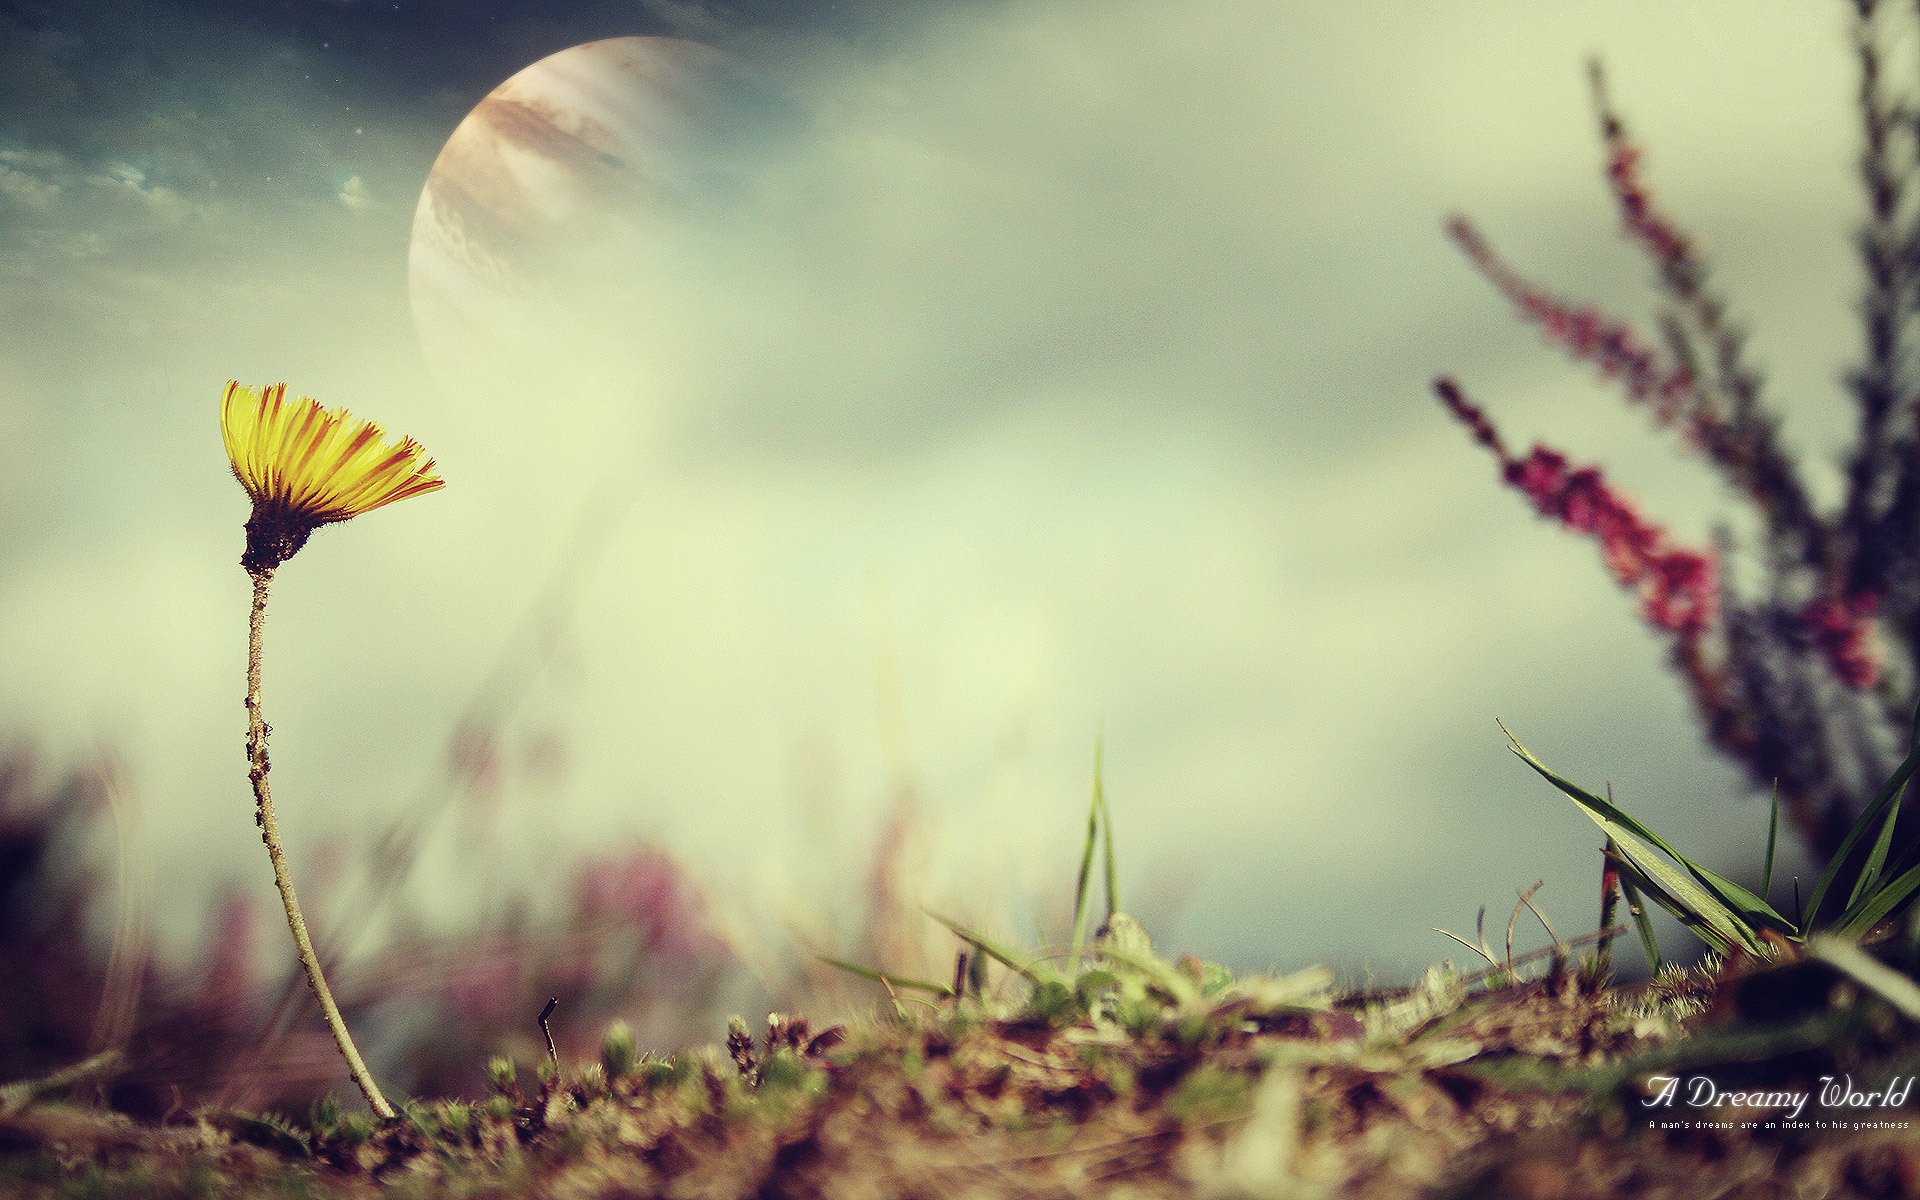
x=275 y=534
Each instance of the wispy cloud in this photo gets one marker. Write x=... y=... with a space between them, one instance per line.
x=22 y=183
x=353 y=193
x=128 y=182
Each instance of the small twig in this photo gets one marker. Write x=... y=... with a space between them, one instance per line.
x=18 y=1095
x=1543 y=952
x=1033 y=1060
x=1513 y=918
x=899 y=1009
x=1559 y=943
x=1469 y=945
x=553 y=1053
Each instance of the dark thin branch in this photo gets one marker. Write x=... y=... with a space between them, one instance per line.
x=553 y=1052
x=1739 y=434
x=1888 y=267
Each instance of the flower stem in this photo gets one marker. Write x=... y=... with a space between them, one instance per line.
x=270 y=834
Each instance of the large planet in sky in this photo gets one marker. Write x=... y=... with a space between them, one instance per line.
x=560 y=193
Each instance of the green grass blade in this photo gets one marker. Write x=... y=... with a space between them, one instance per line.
x=1587 y=799
x=1637 y=909
x=1773 y=839
x=1082 y=889
x=1753 y=910
x=1876 y=859
x=1691 y=904
x=1721 y=904
x=1896 y=989
x=1013 y=960
x=1869 y=818
x=1882 y=902
x=1106 y=829
x=886 y=977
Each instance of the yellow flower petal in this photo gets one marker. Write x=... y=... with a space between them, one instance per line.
x=316 y=465
x=306 y=466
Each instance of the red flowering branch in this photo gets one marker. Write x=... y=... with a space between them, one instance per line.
x=1739 y=435
x=1584 y=332
x=1724 y=654
x=1678 y=588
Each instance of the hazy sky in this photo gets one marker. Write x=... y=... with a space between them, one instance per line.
x=1066 y=366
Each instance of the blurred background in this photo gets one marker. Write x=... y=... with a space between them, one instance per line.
x=845 y=424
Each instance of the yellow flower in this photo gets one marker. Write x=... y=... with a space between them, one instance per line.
x=307 y=466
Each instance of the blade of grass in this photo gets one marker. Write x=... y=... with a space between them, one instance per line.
x=1746 y=908
x=1773 y=838
x=1513 y=918
x=1895 y=785
x=1491 y=960
x=887 y=978
x=1847 y=956
x=1712 y=928
x=1882 y=902
x=1876 y=859
x=1178 y=987
x=1083 y=886
x=1559 y=943
x=1642 y=923
x=1106 y=828
x=1009 y=959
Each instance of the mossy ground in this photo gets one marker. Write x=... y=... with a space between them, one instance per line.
x=1146 y=1079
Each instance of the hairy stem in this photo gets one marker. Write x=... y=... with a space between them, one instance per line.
x=270 y=834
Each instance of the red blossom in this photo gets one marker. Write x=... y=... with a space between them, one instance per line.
x=1684 y=589
x=1644 y=221
x=1678 y=588
x=1841 y=627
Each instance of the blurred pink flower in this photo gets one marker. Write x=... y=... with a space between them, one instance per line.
x=645 y=889
x=1841 y=628
x=1644 y=220
x=486 y=980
